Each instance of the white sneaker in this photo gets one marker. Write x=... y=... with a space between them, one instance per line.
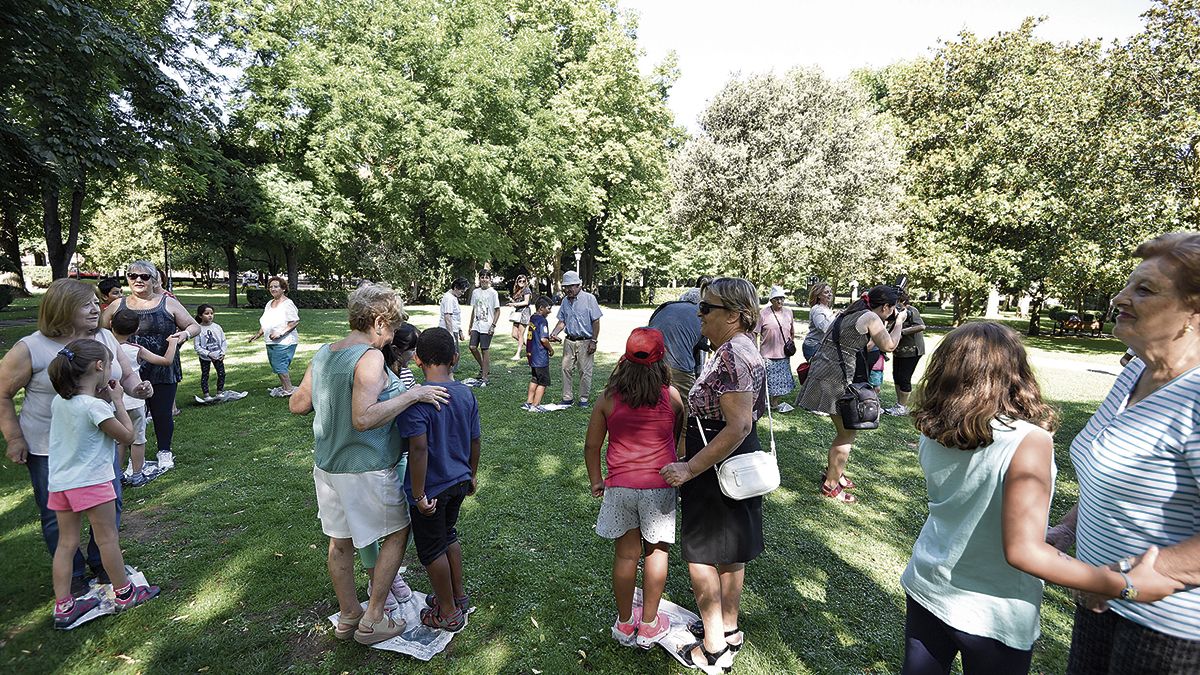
x=784 y=408
x=470 y=382
x=897 y=410
x=274 y=391
x=166 y=460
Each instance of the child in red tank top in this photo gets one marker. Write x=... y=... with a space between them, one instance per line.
x=641 y=415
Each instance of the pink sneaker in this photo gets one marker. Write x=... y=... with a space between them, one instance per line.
x=649 y=635
x=400 y=590
x=389 y=603
x=626 y=633
x=139 y=595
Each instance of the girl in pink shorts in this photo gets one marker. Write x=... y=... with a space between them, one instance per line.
x=641 y=414
x=86 y=418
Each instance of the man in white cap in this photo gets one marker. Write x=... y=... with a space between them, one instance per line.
x=580 y=315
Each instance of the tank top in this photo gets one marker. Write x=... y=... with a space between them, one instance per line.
x=337 y=446
x=825 y=363
x=958 y=570
x=155 y=325
x=34 y=417
x=640 y=442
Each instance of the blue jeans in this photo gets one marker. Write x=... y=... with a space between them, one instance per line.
x=39 y=476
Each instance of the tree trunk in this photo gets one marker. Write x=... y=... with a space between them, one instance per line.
x=293 y=267
x=961 y=299
x=231 y=265
x=1037 y=298
x=61 y=251
x=10 y=244
x=621 y=292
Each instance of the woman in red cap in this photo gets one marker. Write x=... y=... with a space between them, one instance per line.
x=642 y=415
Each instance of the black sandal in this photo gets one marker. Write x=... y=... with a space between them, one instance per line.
x=696 y=628
x=711 y=658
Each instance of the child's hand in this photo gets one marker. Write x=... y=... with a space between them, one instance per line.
x=428 y=506
x=598 y=489
x=174 y=339
x=549 y=351
x=474 y=486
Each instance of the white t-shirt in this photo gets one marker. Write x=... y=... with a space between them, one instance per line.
x=277 y=318
x=131 y=353
x=80 y=453
x=449 y=305
x=484 y=303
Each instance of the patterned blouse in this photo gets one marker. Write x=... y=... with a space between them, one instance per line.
x=734 y=366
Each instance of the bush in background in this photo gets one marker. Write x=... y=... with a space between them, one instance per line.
x=38 y=276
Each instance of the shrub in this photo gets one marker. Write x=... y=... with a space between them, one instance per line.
x=257 y=298
x=7 y=293
x=611 y=295
x=38 y=275
x=661 y=294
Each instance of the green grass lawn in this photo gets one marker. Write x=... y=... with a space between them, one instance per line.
x=232 y=537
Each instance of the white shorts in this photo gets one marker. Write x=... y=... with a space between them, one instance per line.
x=363 y=507
x=138 y=417
x=650 y=510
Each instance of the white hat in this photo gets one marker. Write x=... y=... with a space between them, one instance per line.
x=571 y=279
x=776 y=292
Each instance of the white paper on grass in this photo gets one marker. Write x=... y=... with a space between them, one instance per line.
x=679 y=636
x=106 y=595
x=557 y=406
x=418 y=641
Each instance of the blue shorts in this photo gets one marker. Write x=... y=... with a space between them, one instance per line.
x=280 y=358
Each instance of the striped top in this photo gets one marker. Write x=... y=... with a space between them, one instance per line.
x=1139 y=484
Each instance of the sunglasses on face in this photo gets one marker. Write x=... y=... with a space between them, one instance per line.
x=705 y=307
x=139 y=277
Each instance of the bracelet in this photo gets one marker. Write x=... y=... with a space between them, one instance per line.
x=419 y=499
x=1129 y=592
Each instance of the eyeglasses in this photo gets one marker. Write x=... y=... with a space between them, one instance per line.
x=705 y=307
x=140 y=277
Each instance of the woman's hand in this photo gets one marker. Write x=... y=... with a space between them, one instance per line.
x=676 y=473
x=1151 y=585
x=431 y=394
x=143 y=390
x=427 y=506
x=18 y=451
x=180 y=336
x=598 y=489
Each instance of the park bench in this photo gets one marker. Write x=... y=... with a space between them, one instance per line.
x=1075 y=323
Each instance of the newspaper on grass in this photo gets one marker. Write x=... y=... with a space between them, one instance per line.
x=106 y=595
x=679 y=636
x=417 y=640
x=557 y=406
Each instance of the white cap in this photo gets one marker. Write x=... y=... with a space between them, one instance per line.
x=776 y=292
x=571 y=279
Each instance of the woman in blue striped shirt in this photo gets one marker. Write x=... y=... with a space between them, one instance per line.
x=1138 y=464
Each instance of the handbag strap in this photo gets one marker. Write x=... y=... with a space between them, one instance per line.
x=770 y=423
x=836 y=329
x=781 y=333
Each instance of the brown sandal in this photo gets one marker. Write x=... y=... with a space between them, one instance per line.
x=343 y=633
x=839 y=493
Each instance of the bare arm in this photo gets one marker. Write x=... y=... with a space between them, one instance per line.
x=596 y=432
x=167 y=358
x=367 y=411
x=473 y=461
x=300 y=402
x=418 y=463
x=738 y=409
x=884 y=339
x=16 y=370
x=186 y=323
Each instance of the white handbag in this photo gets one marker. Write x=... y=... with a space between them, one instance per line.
x=752 y=474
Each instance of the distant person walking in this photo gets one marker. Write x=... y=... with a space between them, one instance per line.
x=278 y=325
x=579 y=314
x=521 y=302
x=775 y=330
x=450 y=310
x=907 y=354
x=485 y=313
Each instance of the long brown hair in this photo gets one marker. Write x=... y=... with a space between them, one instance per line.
x=639 y=386
x=72 y=362
x=979 y=373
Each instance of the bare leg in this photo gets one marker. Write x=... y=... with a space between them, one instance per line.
x=538 y=394
x=706 y=585
x=627 y=550
x=103 y=519
x=486 y=364
x=341 y=573
x=443 y=587
x=64 y=554
x=137 y=455
x=839 y=453
x=902 y=397
x=285 y=381
x=478 y=359
x=732 y=578
x=454 y=557
x=391 y=552
x=654 y=579
x=532 y=390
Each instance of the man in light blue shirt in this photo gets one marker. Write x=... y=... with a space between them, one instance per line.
x=579 y=314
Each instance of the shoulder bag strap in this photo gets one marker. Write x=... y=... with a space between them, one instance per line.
x=836 y=329
x=780 y=324
x=770 y=420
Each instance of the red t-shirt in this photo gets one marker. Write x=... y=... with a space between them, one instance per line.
x=640 y=442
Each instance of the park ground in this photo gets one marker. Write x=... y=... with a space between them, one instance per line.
x=231 y=536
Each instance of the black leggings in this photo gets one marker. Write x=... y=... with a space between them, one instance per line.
x=930 y=647
x=161 y=405
x=903 y=368
x=220 y=366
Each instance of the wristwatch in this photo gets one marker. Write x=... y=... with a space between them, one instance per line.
x=1123 y=565
x=1129 y=592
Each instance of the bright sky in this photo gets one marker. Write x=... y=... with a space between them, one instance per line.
x=717 y=38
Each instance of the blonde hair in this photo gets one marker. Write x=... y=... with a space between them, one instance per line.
x=373 y=301
x=814 y=293
x=1182 y=251
x=739 y=296
x=60 y=305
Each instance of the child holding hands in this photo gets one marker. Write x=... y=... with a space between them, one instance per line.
x=124 y=326
x=642 y=415
x=86 y=417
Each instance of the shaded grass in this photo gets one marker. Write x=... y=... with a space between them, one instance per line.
x=231 y=534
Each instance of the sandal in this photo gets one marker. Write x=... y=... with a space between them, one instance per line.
x=713 y=662
x=463 y=603
x=848 y=485
x=346 y=633
x=696 y=628
x=456 y=622
x=384 y=629
x=839 y=493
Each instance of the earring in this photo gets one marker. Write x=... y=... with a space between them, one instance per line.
x=1187 y=328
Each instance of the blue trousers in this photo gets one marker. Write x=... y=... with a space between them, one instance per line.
x=39 y=476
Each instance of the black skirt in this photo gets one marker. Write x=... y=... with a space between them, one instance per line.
x=717 y=530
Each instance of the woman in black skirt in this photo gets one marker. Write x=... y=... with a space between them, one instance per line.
x=720 y=535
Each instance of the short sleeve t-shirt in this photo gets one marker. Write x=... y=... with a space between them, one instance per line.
x=734 y=366
x=577 y=315
x=484 y=303
x=449 y=305
x=680 y=325
x=80 y=453
x=131 y=353
x=448 y=433
x=538 y=329
x=276 y=319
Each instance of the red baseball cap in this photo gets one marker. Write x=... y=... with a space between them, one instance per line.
x=645 y=346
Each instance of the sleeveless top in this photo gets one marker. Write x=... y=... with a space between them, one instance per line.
x=34 y=417
x=337 y=446
x=640 y=442
x=155 y=325
x=958 y=570
x=825 y=364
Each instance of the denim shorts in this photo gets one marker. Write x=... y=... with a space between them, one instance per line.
x=280 y=358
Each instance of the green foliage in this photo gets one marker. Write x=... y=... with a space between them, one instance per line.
x=127 y=226
x=38 y=276
x=257 y=298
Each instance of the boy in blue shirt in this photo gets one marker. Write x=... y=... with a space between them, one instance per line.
x=539 y=351
x=443 y=456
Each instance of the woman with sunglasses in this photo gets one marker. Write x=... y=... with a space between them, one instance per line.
x=520 y=300
x=719 y=535
x=830 y=372
x=160 y=317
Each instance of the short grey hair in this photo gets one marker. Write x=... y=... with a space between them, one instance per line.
x=738 y=295
x=145 y=265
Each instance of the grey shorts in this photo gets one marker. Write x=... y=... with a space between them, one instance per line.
x=481 y=340
x=651 y=510
x=138 y=417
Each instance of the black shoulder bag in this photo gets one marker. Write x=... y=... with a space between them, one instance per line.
x=789 y=343
x=859 y=405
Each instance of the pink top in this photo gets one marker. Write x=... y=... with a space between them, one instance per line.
x=640 y=442
x=773 y=329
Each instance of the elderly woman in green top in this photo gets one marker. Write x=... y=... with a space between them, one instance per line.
x=357 y=456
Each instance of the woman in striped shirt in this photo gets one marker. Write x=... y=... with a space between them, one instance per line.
x=1138 y=464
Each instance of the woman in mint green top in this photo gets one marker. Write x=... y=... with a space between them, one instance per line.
x=974 y=583
x=356 y=398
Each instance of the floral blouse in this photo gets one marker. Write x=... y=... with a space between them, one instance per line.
x=734 y=366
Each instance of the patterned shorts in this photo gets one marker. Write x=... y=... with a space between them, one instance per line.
x=650 y=510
